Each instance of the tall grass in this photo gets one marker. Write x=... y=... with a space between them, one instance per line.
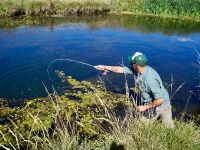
x=127 y=132
x=50 y=7
x=131 y=133
x=166 y=8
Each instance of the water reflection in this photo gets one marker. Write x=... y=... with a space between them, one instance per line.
x=145 y=24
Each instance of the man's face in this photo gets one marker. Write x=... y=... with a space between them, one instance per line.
x=135 y=67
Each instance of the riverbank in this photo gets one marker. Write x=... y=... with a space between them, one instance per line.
x=181 y=9
x=88 y=117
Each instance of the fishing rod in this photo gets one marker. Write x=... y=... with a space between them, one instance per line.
x=80 y=62
x=66 y=59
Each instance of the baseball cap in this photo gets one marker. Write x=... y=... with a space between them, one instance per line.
x=138 y=58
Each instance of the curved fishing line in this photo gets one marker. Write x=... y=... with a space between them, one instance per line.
x=80 y=62
x=66 y=59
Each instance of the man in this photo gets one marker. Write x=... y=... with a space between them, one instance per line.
x=153 y=94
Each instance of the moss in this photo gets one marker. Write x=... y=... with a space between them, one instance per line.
x=41 y=114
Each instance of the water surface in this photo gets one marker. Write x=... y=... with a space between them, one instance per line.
x=27 y=50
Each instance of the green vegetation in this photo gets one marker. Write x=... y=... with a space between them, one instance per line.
x=88 y=117
x=185 y=9
x=52 y=7
x=164 y=8
x=167 y=8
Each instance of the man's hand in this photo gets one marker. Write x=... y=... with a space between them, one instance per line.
x=100 y=67
x=141 y=108
x=153 y=104
x=116 y=69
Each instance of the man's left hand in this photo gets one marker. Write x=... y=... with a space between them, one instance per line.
x=141 y=108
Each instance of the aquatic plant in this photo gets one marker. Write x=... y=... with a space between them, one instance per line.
x=87 y=116
x=80 y=108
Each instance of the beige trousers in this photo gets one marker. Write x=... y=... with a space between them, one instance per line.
x=164 y=114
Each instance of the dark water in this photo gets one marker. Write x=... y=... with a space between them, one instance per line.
x=26 y=51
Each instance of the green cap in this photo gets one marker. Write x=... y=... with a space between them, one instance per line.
x=138 y=58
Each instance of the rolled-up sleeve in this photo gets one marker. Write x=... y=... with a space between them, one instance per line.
x=155 y=89
x=127 y=70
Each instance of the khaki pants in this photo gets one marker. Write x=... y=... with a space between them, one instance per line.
x=165 y=115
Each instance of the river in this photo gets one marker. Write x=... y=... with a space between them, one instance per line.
x=27 y=49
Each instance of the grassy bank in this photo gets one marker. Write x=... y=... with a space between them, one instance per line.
x=88 y=117
x=189 y=9
x=166 y=8
x=52 y=7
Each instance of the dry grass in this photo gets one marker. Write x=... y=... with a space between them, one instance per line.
x=130 y=132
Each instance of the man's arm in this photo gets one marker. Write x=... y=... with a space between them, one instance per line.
x=116 y=69
x=153 y=104
x=155 y=90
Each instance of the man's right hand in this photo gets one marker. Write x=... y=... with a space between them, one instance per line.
x=100 y=67
x=116 y=69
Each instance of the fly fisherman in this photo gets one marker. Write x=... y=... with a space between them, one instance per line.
x=153 y=94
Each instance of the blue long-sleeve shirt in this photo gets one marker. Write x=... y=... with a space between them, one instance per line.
x=150 y=85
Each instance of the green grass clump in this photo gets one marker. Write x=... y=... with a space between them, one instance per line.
x=167 y=8
x=51 y=7
x=155 y=136
x=7 y=5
